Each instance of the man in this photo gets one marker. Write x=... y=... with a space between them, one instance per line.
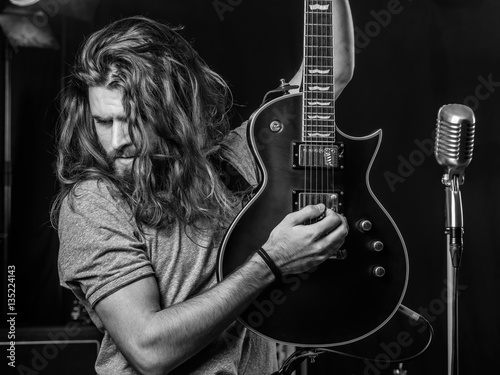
x=142 y=208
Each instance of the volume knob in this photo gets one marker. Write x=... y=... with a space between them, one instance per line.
x=364 y=225
x=378 y=271
x=377 y=245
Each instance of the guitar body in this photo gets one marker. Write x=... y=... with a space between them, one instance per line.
x=344 y=299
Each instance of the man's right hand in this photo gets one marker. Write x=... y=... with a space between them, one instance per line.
x=296 y=247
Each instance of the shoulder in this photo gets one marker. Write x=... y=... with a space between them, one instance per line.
x=97 y=188
x=93 y=202
x=88 y=193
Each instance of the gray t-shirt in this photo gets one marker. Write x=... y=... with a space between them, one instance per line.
x=102 y=250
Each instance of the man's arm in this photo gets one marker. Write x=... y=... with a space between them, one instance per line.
x=155 y=341
x=343 y=68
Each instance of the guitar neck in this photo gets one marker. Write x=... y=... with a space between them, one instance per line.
x=318 y=76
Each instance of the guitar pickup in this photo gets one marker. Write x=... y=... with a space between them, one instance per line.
x=330 y=200
x=317 y=155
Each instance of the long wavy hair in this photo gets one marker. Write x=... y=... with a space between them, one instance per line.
x=167 y=90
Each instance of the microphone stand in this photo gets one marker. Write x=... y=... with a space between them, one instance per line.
x=454 y=239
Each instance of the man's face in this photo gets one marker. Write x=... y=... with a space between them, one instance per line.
x=111 y=125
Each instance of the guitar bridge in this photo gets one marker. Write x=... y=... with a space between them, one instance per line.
x=317 y=155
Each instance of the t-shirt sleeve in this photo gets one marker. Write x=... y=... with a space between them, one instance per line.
x=101 y=249
x=236 y=150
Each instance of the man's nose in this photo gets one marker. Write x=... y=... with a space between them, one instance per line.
x=120 y=136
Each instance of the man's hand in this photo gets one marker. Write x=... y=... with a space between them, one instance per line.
x=296 y=247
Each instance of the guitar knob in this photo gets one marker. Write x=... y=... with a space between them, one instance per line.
x=378 y=271
x=276 y=126
x=364 y=225
x=376 y=246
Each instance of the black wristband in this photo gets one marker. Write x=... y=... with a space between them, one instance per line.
x=272 y=266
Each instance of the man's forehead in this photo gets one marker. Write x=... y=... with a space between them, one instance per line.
x=106 y=103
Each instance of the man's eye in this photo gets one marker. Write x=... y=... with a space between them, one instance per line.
x=103 y=122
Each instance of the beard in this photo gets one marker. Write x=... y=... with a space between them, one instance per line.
x=128 y=176
x=124 y=174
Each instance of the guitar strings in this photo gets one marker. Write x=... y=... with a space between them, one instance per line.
x=320 y=19
x=319 y=154
x=315 y=95
x=334 y=98
x=304 y=90
x=310 y=94
x=320 y=96
x=306 y=93
x=314 y=92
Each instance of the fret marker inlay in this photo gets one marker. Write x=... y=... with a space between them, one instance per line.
x=319 y=88
x=318 y=117
x=319 y=7
x=319 y=71
x=319 y=103
x=319 y=135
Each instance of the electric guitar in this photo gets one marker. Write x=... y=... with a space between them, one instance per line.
x=306 y=159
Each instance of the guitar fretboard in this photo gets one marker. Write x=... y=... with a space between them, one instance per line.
x=318 y=75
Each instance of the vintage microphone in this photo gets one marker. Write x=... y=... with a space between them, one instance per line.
x=453 y=150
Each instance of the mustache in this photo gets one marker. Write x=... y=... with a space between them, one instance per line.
x=125 y=153
x=111 y=156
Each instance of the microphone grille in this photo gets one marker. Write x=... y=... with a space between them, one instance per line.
x=455 y=135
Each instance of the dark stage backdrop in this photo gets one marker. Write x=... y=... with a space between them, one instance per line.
x=411 y=58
